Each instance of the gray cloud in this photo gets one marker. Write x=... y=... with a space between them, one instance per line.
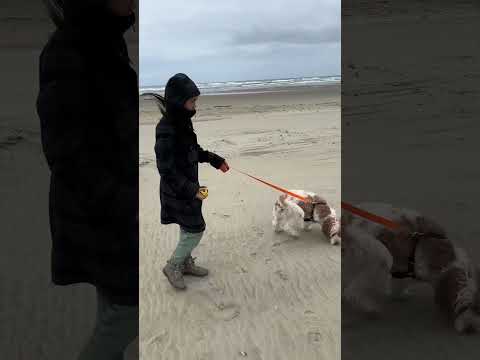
x=215 y=40
x=287 y=36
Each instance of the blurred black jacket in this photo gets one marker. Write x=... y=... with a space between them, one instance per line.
x=88 y=109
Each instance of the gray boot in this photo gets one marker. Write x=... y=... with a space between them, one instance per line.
x=189 y=268
x=174 y=274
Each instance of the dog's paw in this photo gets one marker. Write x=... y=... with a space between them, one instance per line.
x=276 y=226
x=399 y=290
x=335 y=240
x=277 y=229
x=400 y=296
x=467 y=322
x=294 y=234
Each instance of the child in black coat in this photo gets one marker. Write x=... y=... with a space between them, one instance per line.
x=178 y=154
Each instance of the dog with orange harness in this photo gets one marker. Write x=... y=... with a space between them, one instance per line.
x=384 y=246
x=297 y=210
x=292 y=215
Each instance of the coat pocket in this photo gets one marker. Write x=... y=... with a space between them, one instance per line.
x=193 y=207
x=192 y=156
x=181 y=206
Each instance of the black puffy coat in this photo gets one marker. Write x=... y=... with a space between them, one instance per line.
x=178 y=154
x=88 y=109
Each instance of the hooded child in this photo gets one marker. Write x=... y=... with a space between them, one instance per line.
x=178 y=155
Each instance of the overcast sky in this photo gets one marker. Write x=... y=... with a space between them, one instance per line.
x=222 y=40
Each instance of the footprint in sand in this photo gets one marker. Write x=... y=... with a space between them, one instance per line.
x=230 y=142
x=314 y=337
x=226 y=216
x=218 y=309
x=226 y=311
x=281 y=275
x=158 y=339
x=259 y=231
x=10 y=141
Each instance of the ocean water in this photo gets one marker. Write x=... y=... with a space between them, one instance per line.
x=253 y=86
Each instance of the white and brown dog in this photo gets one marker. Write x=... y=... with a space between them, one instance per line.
x=373 y=256
x=292 y=215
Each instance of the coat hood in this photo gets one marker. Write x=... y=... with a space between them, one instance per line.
x=87 y=15
x=179 y=89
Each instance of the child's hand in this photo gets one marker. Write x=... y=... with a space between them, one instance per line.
x=224 y=167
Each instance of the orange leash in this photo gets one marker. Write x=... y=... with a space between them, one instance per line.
x=354 y=210
x=276 y=187
x=369 y=216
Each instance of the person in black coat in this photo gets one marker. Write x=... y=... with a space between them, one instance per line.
x=88 y=110
x=178 y=154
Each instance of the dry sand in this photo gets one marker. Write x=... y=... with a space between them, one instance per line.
x=267 y=295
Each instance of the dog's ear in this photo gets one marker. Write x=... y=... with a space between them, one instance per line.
x=428 y=225
x=317 y=199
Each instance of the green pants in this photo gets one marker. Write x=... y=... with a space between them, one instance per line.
x=116 y=327
x=187 y=242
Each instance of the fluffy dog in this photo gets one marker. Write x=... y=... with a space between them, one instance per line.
x=293 y=215
x=373 y=255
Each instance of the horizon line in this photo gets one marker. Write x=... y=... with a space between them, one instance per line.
x=266 y=79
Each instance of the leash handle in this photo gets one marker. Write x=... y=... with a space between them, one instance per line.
x=204 y=192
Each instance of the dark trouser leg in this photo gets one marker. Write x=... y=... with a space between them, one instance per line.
x=116 y=327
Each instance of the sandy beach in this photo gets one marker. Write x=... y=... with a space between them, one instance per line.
x=410 y=107
x=268 y=296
